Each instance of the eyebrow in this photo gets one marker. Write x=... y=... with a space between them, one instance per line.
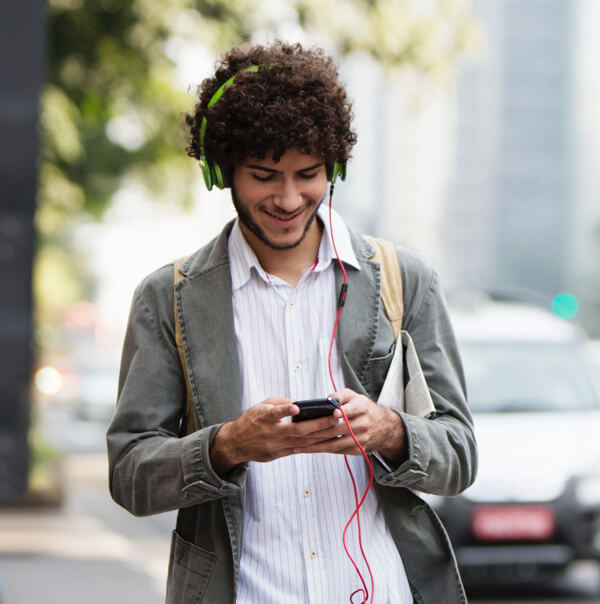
x=256 y=167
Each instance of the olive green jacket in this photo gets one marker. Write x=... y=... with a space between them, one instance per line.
x=153 y=469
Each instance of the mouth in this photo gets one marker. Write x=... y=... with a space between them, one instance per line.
x=285 y=220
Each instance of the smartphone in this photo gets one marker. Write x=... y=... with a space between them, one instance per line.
x=316 y=407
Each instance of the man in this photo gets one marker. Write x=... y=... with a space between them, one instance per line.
x=263 y=501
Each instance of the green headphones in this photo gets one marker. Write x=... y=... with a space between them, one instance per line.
x=213 y=173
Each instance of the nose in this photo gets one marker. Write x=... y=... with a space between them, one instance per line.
x=289 y=197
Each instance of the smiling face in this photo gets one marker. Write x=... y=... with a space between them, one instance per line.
x=277 y=201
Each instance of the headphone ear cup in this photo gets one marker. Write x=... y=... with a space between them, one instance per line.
x=206 y=173
x=337 y=170
x=217 y=173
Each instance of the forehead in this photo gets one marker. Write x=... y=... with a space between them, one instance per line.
x=292 y=159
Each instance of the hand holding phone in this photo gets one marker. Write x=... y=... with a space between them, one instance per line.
x=316 y=407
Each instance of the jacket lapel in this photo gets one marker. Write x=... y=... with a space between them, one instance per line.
x=206 y=319
x=204 y=300
x=359 y=318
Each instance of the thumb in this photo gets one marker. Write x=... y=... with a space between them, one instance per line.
x=278 y=408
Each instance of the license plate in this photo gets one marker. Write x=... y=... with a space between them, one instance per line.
x=513 y=523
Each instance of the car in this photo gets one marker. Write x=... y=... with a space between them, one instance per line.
x=535 y=505
x=593 y=356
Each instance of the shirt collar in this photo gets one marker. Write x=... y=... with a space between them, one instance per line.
x=342 y=240
x=243 y=260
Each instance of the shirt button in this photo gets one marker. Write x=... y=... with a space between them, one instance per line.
x=292 y=304
x=306 y=492
x=297 y=367
x=313 y=554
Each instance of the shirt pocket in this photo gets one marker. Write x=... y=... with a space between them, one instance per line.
x=190 y=569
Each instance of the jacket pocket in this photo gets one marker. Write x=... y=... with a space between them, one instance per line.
x=190 y=569
x=375 y=373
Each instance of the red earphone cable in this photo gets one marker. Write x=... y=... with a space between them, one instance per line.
x=364 y=590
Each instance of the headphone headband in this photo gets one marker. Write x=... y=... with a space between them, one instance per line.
x=212 y=173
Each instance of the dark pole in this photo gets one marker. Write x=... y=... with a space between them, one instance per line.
x=22 y=50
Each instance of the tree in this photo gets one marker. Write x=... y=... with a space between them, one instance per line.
x=111 y=108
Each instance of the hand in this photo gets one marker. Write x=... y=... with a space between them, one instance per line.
x=259 y=434
x=376 y=428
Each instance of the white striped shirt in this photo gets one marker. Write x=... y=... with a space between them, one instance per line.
x=297 y=506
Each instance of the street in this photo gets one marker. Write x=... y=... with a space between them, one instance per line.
x=90 y=550
x=579 y=584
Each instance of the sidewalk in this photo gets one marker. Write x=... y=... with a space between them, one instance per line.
x=87 y=551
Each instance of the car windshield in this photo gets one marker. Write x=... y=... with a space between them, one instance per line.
x=511 y=376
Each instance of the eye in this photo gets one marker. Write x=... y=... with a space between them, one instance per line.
x=261 y=178
x=307 y=175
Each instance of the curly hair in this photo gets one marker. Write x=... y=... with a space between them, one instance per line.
x=294 y=100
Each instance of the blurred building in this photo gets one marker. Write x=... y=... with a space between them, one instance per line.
x=400 y=168
x=496 y=180
x=524 y=197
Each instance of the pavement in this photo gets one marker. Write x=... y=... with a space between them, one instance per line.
x=91 y=550
x=88 y=550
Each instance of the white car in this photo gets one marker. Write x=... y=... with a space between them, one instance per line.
x=593 y=356
x=535 y=505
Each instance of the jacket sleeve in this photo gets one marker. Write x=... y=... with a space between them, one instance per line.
x=151 y=468
x=442 y=452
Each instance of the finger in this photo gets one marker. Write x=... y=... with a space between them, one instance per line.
x=276 y=412
x=310 y=426
x=282 y=453
x=345 y=395
x=350 y=409
x=332 y=431
x=344 y=445
x=358 y=406
x=277 y=401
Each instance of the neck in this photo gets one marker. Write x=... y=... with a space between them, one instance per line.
x=287 y=264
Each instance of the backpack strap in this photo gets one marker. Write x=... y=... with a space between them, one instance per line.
x=188 y=421
x=391 y=281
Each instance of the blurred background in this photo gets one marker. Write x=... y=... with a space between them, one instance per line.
x=478 y=146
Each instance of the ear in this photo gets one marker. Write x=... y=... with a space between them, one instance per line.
x=206 y=173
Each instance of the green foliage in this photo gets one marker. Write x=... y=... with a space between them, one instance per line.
x=426 y=36
x=109 y=111
x=111 y=106
x=112 y=110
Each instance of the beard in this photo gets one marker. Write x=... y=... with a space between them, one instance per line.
x=247 y=220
